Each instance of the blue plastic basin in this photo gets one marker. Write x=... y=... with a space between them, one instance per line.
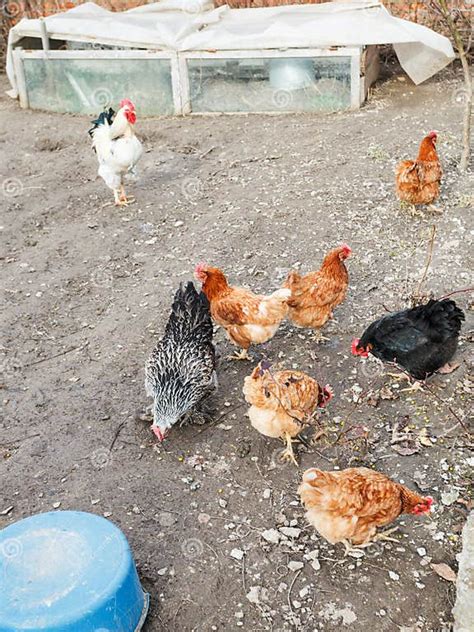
x=68 y=571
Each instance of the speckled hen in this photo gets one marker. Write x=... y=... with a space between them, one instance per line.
x=180 y=372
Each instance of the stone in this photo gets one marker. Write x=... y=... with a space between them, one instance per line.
x=271 y=535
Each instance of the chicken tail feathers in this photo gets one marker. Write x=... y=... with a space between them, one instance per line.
x=442 y=317
x=190 y=317
x=292 y=279
x=317 y=478
x=314 y=487
x=105 y=117
x=282 y=295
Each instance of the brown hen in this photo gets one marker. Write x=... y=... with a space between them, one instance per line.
x=418 y=181
x=247 y=317
x=315 y=295
x=282 y=403
x=348 y=505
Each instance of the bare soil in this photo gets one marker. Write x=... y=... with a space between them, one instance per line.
x=87 y=292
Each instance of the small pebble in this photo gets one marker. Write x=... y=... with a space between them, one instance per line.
x=237 y=554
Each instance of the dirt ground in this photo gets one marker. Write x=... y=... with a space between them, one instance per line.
x=87 y=292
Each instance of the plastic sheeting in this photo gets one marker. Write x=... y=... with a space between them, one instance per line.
x=194 y=25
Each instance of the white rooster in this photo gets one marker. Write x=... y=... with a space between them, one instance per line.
x=118 y=149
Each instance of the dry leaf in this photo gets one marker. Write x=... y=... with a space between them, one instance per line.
x=444 y=571
x=449 y=368
x=424 y=439
x=386 y=393
x=402 y=438
x=406 y=449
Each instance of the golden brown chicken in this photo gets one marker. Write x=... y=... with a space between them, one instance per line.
x=282 y=403
x=315 y=295
x=246 y=317
x=348 y=505
x=418 y=181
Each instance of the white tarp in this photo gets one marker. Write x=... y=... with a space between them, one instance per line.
x=193 y=25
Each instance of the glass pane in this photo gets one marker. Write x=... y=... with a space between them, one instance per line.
x=86 y=86
x=265 y=85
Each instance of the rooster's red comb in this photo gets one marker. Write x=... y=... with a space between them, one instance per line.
x=127 y=103
x=200 y=267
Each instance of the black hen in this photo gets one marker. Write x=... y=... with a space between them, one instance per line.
x=181 y=369
x=421 y=339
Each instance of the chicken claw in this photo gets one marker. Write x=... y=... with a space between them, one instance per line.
x=416 y=386
x=384 y=536
x=121 y=197
x=243 y=354
x=411 y=209
x=318 y=337
x=435 y=209
x=288 y=454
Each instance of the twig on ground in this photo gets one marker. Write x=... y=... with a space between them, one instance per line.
x=116 y=435
x=290 y=589
x=8 y=443
x=220 y=418
x=467 y=289
x=428 y=262
x=456 y=416
x=57 y=355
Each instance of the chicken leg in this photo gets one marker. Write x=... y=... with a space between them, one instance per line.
x=416 y=386
x=288 y=454
x=383 y=536
x=318 y=337
x=411 y=209
x=243 y=354
x=121 y=197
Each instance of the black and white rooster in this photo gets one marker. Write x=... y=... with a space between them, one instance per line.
x=118 y=149
x=180 y=372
